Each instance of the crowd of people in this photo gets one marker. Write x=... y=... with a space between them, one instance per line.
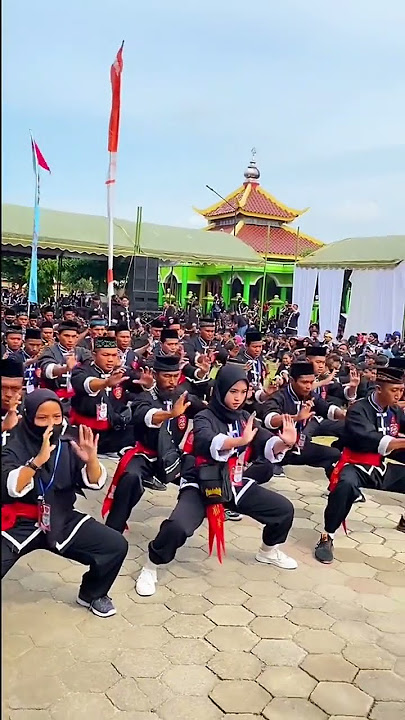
x=210 y=404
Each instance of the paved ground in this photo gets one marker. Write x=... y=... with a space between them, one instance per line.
x=236 y=642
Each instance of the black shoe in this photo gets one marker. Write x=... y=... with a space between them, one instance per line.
x=278 y=471
x=153 y=484
x=401 y=524
x=324 y=549
x=233 y=515
x=102 y=607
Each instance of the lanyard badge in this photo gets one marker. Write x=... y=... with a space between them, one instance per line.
x=44 y=509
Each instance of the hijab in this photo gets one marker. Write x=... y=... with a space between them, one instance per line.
x=226 y=378
x=26 y=439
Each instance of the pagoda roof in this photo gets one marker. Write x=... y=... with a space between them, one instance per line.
x=283 y=241
x=252 y=200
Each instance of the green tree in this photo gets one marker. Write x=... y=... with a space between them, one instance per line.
x=47 y=270
x=13 y=269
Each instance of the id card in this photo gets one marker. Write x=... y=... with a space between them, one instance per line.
x=237 y=475
x=44 y=516
x=301 y=440
x=102 y=411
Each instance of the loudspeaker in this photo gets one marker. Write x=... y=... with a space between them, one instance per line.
x=143 y=284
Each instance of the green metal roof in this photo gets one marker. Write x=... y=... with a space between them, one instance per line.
x=359 y=252
x=77 y=234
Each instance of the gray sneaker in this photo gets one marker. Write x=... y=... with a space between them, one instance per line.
x=102 y=607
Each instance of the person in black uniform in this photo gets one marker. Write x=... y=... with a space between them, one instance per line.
x=252 y=357
x=141 y=466
x=373 y=427
x=225 y=436
x=203 y=342
x=29 y=355
x=12 y=378
x=100 y=399
x=43 y=469
x=299 y=401
x=13 y=338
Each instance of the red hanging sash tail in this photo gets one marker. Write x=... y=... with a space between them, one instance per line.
x=138 y=449
x=349 y=457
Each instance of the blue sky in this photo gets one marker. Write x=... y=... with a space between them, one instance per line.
x=316 y=86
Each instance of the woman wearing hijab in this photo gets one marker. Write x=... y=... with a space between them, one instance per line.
x=42 y=470
x=224 y=435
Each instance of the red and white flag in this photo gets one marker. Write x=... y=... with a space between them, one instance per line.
x=113 y=136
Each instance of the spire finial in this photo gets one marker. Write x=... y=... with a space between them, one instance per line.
x=252 y=173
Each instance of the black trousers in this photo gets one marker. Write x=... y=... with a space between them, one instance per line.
x=326 y=428
x=347 y=490
x=313 y=455
x=129 y=491
x=111 y=441
x=94 y=544
x=274 y=511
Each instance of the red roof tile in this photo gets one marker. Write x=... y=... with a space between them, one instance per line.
x=282 y=241
x=258 y=202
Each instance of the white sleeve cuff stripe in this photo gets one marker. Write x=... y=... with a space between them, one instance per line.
x=331 y=411
x=149 y=417
x=383 y=445
x=268 y=419
x=100 y=482
x=49 y=371
x=215 y=448
x=86 y=386
x=268 y=450
x=12 y=484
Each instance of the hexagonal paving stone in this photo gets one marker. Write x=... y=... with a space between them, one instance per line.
x=149 y=636
x=354 y=632
x=226 y=596
x=193 y=626
x=232 y=638
x=222 y=578
x=240 y=696
x=386 y=622
x=279 y=652
x=369 y=657
x=379 y=603
x=189 y=604
x=187 y=651
x=126 y=695
x=52 y=661
x=399 y=667
x=267 y=608
x=230 y=615
x=376 y=551
x=392 y=579
x=329 y=667
x=395 y=644
x=91 y=677
x=283 y=708
x=188 y=586
x=273 y=628
x=310 y=617
x=155 y=690
x=383 y=684
x=235 y=666
x=33 y=694
x=317 y=641
x=341 y=699
x=28 y=715
x=302 y=599
x=140 y=663
x=387 y=711
x=345 y=611
x=153 y=614
x=266 y=588
x=287 y=682
x=357 y=570
x=189 y=680
x=82 y=706
x=185 y=708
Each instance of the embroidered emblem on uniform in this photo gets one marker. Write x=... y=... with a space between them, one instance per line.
x=182 y=422
x=394 y=429
x=117 y=392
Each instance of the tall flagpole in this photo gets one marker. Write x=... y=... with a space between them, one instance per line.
x=113 y=134
x=38 y=162
x=264 y=278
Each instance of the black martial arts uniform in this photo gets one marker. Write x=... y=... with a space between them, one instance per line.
x=285 y=401
x=368 y=430
x=56 y=354
x=72 y=534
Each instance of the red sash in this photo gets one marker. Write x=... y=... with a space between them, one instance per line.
x=138 y=449
x=11 y=512
x=64 y=394
x=100 y=425
x=349 y=457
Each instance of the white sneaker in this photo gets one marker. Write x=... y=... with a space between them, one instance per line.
x=146 y=582
x=274 y=556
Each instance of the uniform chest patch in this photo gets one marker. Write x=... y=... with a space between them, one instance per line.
x=182 y=422
x=117 y=392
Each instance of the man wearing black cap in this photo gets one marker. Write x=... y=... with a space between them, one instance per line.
x=252 y=357
x=9 y=319
x=97 y=328
x=298 y=400
x=29 y=356
x=372 y=433
x=12 y=378
x=57 y=361
x=203 y=342
x=33 y=321
x=48 y=314
x=13 y=340
x=100 y=397
x=161 y=419
x=156 y=328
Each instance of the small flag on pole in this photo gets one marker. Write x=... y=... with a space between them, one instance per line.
x=113 y=136
x=38 y=162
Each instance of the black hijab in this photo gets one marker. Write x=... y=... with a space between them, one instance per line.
x=26 y=439
x=227 y=376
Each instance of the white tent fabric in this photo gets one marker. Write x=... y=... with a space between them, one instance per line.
x=303 y=295
x=330 y=286
x=377 y=301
